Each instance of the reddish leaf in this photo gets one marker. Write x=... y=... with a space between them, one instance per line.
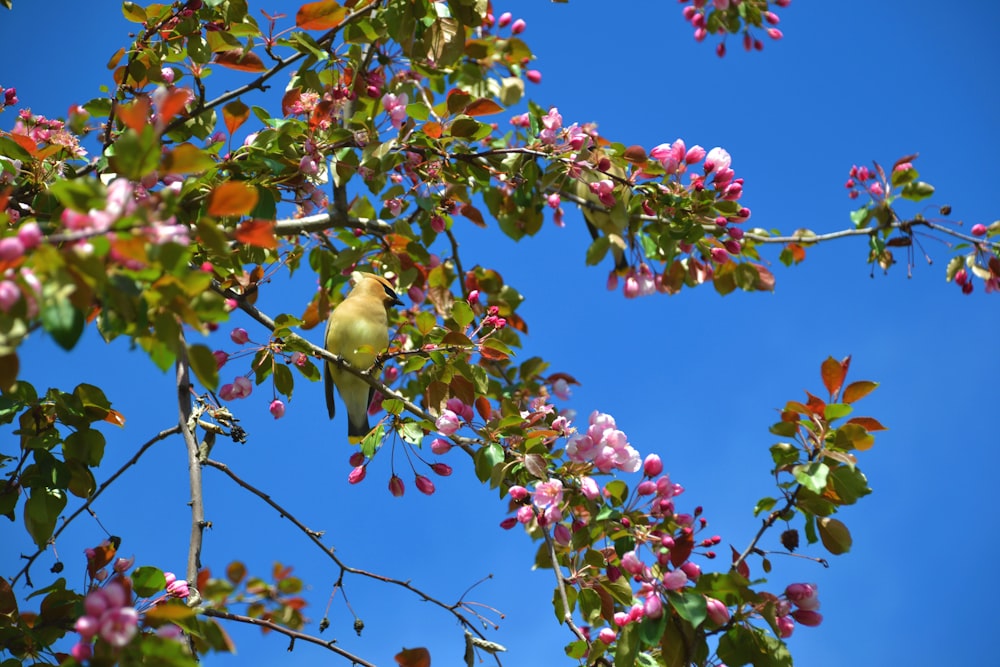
x=414 y=657
x=743 y=569
x=25 y=142
x=555 y=377
x=797 y=251
x=235 y=114
x=258 y=233
x=858 y=390
x=904 y=160
x=247 y=61
x=765 y=279
x=869 y=423
x=815 y=405
x=322 y=15
x=473 y=214
x=103 y=554
x=483 y=107
x=833 y=373
x=115 y=417
x=484 y=408
x=432 y=129
x=232 y=198
x=172 y=103
x=136 y=114
x=681 y=551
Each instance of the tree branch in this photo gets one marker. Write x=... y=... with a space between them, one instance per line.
x=185 y=423
x=294 y=634
x=173 y=430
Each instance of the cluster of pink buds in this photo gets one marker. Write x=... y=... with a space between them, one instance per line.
x=798 y=605
x=701 y=14
x=863 y=179
x=42 y=130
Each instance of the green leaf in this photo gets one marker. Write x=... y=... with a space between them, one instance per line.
x=283 y=380
x=85 y=446
x=764 y=505
x=598 y=250
x=557 y=603
x=836 y=411
x=834 y=535
x=486 y=458
x=204 y=365
x=860 y=216
x=148 y=581
x=690 y=606
x=41 y=511
x=812 y=476
x=917 y=191
x=63 y=322
x=462 y=313
x=743 y=645
x=628 y=646
x=651 y=630
x=135 y=154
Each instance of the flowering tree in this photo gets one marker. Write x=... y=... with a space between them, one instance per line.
x=154 y=212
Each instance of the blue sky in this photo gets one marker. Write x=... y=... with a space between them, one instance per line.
x=695 y=377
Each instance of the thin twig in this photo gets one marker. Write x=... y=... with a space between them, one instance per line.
x=294 y=634
x=173 y=430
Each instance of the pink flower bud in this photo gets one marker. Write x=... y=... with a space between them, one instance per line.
x=771 y=18
x=9 y=294
x=720 y=49
x=653 y=606
x=508 y=523
x=652 y=466
x=357 y=475
x=442 y=469
x=518 y=493
x=646 y=487
x=517 y=27
x=774 y=33
x=631 y=563
x=440 y=446
x=447 y=423
x=505 y=20
x=86 y=626
x=718 y=612
x=123 y=565
x=606 y=635
x=82 y=651
x=533 y=75
x=11 y=248
x=425 y=485
x=719 y=255
x=978 y=229
x=692 y=570
x=396 y=487
x=277 y=408
x=30 y=234
x=807 y=617
x=239 y=336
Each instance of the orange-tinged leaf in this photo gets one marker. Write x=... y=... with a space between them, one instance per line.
x=414 y=657
x=186 y=159
x=232 y=198
x=432 y=129
x=869 y=423
x=258 y=233
x=235 y=114
x=833 y=373
x=115 y=417
x=9 y=368
x=322 y=15
x=247 y=61
x=103 y=554
x=25 y=142
x=483 y=107
x=136 y=114
x=116 y=58
x=797 y=251
x=172 y=103
x=131 y=247
x=473 y=214
x=858 y=390
x=172 y=610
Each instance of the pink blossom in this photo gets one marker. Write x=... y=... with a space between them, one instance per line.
x=533 y=75
x=554 y=200
x=239 y=336
x=692 y=570
x=240 y=388
x=277 y=409
x=978 y=229
x=521 y=120
x=717 y=159
x=674 y=580
x=653 y=606
x=11 y=248
x=395 y=106
x=785 y=626
x=438 y=223
x=803 y=596
x=774 y=33
x=220 y=358
x=119 y=626
x=123 y=565
x=308 y=166
x=607 y=635
x=551 y=124
x=525 y=513
x=473 y=297
x=508 y=523
x=395 y=206
x=561 y=534
x=548 y=494
x=440 y=446
x=442 y=469
x=447 y=423
x=459 y=408
x=87 y=626
x=561 y=389
x=29 y=234
x=605 y=191
x=177 y=588
x=631 y=563
x=505 y=20
x=589 y=488
x=518 y=26
x=721 y=4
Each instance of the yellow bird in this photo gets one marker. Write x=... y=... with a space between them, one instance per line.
x=357 y=331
